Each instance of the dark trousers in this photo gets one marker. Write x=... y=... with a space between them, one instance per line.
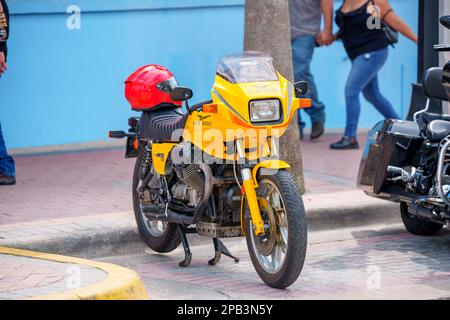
x=6 y=162
x=302 y=54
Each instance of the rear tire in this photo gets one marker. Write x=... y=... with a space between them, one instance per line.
x=289 y=269
x=416 y=225
x=169 y=239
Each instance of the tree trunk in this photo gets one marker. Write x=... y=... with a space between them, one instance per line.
x=267 y=29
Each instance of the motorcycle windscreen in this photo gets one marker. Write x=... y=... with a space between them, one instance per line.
x=249 y=66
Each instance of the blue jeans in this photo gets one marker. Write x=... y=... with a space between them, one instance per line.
x=302 y=53
x=6 y=162
x=363 y=78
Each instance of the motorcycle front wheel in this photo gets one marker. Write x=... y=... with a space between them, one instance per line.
x=159 y=236
x=278 y=256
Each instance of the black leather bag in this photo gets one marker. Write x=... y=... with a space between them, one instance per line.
x=390 y=33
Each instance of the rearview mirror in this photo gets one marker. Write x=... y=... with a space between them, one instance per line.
x=301 y=88
x=181 y=94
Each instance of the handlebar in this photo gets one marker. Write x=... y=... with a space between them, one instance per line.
x=198 y=106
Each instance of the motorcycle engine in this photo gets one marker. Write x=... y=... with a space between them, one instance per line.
x=191 y=184
x=185 y=193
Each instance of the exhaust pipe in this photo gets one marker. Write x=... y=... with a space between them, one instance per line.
x=425 y=213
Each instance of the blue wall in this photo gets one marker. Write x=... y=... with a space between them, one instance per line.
x=66 y=86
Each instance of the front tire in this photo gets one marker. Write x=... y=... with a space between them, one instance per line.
x=416 y=225
x=159 y=236
x=278 y=257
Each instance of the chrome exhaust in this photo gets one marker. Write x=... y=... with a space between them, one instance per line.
x=440 y=171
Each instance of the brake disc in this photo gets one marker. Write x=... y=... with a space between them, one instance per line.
x=266 y=243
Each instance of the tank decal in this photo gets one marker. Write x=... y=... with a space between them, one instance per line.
x=160 y=154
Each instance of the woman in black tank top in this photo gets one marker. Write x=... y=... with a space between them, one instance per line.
x=366 y=45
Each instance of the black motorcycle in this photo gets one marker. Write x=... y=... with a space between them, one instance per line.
x=409 y=161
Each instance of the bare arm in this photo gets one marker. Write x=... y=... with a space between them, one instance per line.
x=394 y=21
x=327 y=12
x=326 y=36
x=2 y=63
x=3 y=35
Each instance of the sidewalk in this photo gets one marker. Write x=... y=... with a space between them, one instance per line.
x=329 y=170
x=67 y=202
x=33 y=275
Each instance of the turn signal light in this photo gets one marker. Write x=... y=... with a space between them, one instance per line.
x=305 y=103
x=301 y=103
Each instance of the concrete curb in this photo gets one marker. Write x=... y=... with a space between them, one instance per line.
x=348 y=217
x=117 y=233
x=98 y=243
x=348 y=209
x=120 y=283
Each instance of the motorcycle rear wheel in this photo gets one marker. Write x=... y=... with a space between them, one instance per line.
x=278 y=257
x=159 y=236
x=418 y=226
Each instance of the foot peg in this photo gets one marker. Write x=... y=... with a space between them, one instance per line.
x=220 y=249
x=187 y=251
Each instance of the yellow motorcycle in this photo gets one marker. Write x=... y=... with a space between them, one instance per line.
x=215 y=169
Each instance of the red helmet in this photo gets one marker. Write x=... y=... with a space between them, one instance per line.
x=149 y=87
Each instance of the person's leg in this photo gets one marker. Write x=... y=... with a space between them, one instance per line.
x=302 y=53
x=353 y=87
x=372 y=94
x=7 y=168
x=365 y=68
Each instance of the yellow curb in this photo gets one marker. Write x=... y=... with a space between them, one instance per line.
x=120 y=283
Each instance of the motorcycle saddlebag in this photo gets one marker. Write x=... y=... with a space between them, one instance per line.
x=389 y=143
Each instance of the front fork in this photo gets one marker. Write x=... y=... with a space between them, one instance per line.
x=249 y=189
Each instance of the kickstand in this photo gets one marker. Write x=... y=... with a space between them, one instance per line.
x=187 y=252
x=220 y=249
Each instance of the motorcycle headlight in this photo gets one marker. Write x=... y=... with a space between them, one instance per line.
x=265 y=110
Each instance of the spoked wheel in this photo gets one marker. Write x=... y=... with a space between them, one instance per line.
x=154 y=227
x=160 y=236
x=278 y=255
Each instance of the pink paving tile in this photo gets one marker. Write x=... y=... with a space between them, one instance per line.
x=318 y=157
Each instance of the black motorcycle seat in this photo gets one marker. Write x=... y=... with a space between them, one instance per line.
x=162 y=124
x=438 y=130
x=425 y=118
x=432 y=84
